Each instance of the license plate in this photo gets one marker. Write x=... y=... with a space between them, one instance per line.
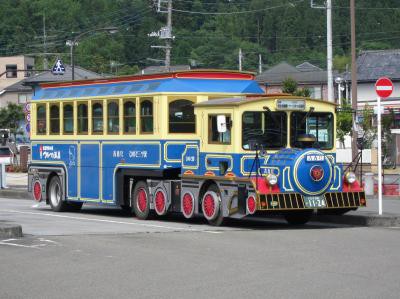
x=314 y=202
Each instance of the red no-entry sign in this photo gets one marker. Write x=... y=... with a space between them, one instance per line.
x=384 y=87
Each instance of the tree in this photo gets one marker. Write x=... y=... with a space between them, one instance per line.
x=10 y=118
x=344 y=122
x=367 y=126
x=289 y=86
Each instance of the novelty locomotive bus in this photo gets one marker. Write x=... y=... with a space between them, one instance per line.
x=202 y=143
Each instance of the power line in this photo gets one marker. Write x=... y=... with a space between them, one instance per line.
x=290 y=4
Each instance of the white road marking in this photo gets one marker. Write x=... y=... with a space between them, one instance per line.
x=19 y=245
x=109 y=221
x=48 y=241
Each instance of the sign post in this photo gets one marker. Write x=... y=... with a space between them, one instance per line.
x=383 y=88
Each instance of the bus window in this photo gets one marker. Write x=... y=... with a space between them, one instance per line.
x=215 y=137
x=68 y=119
x=181 y=117
x=41 y=119
x=311 y=130
x=54 y=119
x=146 y=117
x=113 y=118
x=129 y=117
x=266 y=129
x=82 y=118
x=97 y=118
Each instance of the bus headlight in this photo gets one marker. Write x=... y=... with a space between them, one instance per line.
x=350 y=177
x=272 y=179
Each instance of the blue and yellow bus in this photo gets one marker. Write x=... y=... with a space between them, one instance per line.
x=203 y=143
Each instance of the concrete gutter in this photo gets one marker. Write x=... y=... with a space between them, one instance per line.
x=360 y=220
x=18 y=193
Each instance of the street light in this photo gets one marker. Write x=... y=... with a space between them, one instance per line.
x=74 y=42
x=339 y=82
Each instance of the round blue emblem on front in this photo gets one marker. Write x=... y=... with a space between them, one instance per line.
x=317 y=173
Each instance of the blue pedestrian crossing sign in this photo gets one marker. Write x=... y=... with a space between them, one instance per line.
x=58 y=68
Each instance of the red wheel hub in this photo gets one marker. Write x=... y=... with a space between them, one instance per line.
x=251 y=204
x=160 y=203
x=209 y=206
x=187 y=205
x=37 y=191
x=142 y=200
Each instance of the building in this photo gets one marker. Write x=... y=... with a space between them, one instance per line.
x=14 y=69
x=371 y=65
x=306 y=75
x=18 y=86
x=17 y=93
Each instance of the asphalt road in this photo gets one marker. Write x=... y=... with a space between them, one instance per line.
x=103 y=253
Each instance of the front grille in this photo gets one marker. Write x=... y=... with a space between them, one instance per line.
x=344 y=199
x=295 y=201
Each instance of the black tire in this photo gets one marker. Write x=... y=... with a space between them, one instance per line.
x=219 y=219
x=56 y=195
x=141 y=211
x=298 y=217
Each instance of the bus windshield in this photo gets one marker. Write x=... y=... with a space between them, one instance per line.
x=312 y=130
x=266 y=129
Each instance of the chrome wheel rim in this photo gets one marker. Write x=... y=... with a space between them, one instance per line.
x=55 y=194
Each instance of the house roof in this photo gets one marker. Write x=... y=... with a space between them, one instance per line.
x=305 y=73
x=161 y=69
x=48 y=76
x=18 y=87
x=371 y=65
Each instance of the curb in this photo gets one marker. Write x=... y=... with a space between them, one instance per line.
x=10 y=231
x=360 y=220
x=15 y=193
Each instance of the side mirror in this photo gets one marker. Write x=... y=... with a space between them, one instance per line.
x=221 y=123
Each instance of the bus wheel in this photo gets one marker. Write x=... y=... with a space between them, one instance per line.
x=141 y=200
x=212 y=206
x=55 y=195
x=298 y=217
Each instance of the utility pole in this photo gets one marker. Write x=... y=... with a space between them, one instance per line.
x=259 y=64
x=165 y=33
x=240 y=59
x=168 y=40
x=353 y=77
x=329 y=49
x=328 y=8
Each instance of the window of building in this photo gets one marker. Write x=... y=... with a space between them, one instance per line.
x=146 y=117
x=68 y=119
x=113 y=118
x=29 y=69
x=82 y=118
x=54 y=119
x=41 y=119
x=181 y=117
x=22 y=98
x=129 y=117
x=97 y=117
x=216 y=137
x=11 y=70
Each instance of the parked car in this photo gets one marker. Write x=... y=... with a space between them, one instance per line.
x=5 y=155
